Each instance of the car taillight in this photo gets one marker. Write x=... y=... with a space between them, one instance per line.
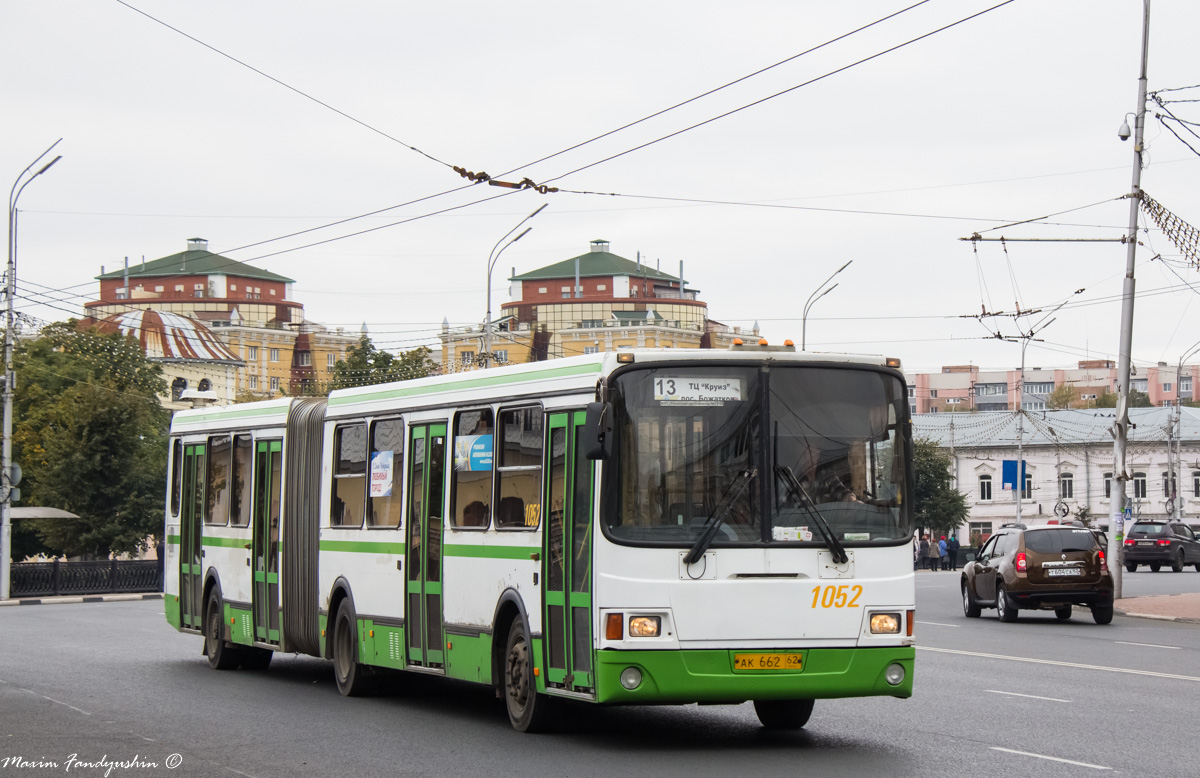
x=1103 y=562
x=1129 y=541
x=1164 y=542
x=1022 y=565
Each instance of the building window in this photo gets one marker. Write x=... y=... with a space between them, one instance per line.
x=1185 y=384
x=1040 y=387
x=252 y=353
x=1034 y=406
x=1066 y=486
x=1168 y=484
x=1027 y=492
x=933 y=409
x=471 y=481
x=985 y=488
x=912 y=410
x=121 y=295
x=1139 y=385
x=466 y=357
x=178 y=287
x=274 y=383
x=274 y=355
x=500 y=355
x=591 y=349
x=1087 y=397
x=304 y=358
x=329 y=360
x=1139 y=486
x=272 y=292
x=601 y=287
x=1195 y=484
x=158 y=288
x=254 y=383
x=954 y=401
x=1108 y=486
x=198 y=287
x=519 y=469
x=912 y=391
x=541 y=290
x=349 y=475
x=981 y=528
x=233 y=287
x=933 y=393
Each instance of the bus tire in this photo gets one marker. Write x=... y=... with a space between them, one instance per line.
x=783 y=714
x=353 y=679
x=221 y=655
x=527 y=710
x=257 y=659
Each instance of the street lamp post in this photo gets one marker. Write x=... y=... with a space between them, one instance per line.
x=14 y=195
x=493 y=256
x=812 y=298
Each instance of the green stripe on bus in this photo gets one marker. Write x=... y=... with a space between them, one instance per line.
x=469 y=383
x=173 y=540
x=362 y=546
x=490 y=552
x=225 y=542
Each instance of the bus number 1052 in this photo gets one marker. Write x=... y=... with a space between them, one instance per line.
x=843 y=596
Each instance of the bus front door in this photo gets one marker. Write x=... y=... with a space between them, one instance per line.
x=423 y=581
x=268 y=468
x=568 y=554
x=191 y=525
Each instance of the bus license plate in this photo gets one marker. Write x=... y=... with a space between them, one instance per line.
x=768 y=661
x=1066 y=571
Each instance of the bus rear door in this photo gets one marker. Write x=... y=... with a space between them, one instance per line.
x=191 y=525
x=426 y=509
x=268 y=456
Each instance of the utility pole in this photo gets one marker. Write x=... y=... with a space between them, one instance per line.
x=1121 y=425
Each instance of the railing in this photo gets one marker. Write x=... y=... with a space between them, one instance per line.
x=47 y=579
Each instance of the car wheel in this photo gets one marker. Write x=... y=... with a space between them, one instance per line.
x=1063 y=613
x=1177 y=565
x=783 y=714
x=1155 y=567
x=970 y=608
x=1102 y=614
x=1131 y=567
x=1005 y=608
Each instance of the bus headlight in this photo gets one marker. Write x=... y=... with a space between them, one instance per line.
x=631 y=678
x=644 y=626
x=894 y=674
x=885 y=624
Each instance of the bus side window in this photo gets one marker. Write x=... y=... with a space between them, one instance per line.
x=349 y=475
x=471 y=483
x=176 y=474
x=519 y=469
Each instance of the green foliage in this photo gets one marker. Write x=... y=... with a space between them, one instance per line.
x=90 y=435
x=937 y=505
x=1106 y=400
x=1062 y=397
x=1139 y=399
x=365 y=365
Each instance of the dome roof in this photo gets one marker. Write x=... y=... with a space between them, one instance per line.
x=169 y=337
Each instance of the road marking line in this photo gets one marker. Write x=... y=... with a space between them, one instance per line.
x=939 y=624
x=1062 y=664
x=1030 y=696
x=1051 y=758
x=1147 y=645
x=57 y=702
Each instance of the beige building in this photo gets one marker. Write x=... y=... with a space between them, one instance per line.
x=249 y=309
x=594 y=302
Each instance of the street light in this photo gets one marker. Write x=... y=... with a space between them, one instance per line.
x=14 y=195
x=812 y=298
x=493 y=256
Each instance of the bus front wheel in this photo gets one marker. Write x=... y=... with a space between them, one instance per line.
x=221 y=655
x=783 y=714
x=353 y=680
x=527 y=710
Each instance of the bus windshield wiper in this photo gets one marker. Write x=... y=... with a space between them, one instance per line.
x=800 y=495
x=709 y=531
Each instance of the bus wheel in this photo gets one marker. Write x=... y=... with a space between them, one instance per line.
x=221 y=656
x=353 y=680
x=527 y=710
x=257 y=659
x=783 y=714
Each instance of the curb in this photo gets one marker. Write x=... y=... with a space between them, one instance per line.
x=87 y=598
x=1157 y=617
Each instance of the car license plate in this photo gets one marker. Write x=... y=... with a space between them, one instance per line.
x=768 y=661
x=1140 y=542
x=1065 y=571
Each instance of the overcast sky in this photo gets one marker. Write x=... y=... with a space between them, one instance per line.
x=1007 y=117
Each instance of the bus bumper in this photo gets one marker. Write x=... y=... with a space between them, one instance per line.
x=708 y=675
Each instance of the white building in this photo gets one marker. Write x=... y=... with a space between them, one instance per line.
x=1069 y=464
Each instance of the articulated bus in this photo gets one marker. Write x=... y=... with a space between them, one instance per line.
x=635 y=527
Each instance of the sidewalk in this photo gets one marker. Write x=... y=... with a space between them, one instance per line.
x=1167 y=607
x=82 y=598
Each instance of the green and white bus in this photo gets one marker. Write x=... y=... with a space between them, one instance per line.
x=635 y=527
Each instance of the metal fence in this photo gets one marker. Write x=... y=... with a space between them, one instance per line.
x=46 y=579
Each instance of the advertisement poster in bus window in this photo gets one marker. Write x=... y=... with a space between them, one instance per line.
x=473 y=452
x=381 y=473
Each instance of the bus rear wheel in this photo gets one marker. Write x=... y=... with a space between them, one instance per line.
x=353 y=680
x=783 y=714
x=527 y=710
x=220 y=655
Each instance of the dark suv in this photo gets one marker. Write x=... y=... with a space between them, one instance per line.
x=1044 y=568
x=1159 y=543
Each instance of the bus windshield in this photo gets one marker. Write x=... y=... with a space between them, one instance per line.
x=788 y=448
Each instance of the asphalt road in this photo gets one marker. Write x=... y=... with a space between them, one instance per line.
x=113 y=681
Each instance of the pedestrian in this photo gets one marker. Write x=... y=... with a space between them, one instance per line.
x=952 y=546
x=916 y=551
x=933 y=556
x=943 y=556
x=924 y=550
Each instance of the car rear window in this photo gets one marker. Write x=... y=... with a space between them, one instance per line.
x=1053 y=541
x=1148 y=528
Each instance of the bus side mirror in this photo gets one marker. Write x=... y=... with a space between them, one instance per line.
x=596 y=436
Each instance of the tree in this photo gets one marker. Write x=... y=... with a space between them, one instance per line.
x=1061 y=397
x=365 y=365
x=1136 y=400
x=91 y=437
x=937 y=505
